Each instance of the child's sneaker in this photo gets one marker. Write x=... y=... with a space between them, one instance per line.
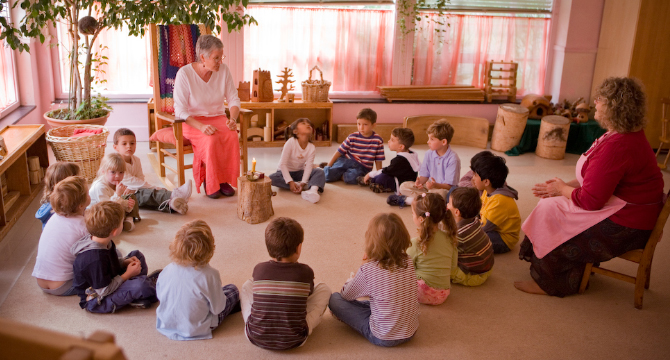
x=179 y=205
x=183 y=191
x=128 y=224
x=361 y=180
x=311 y=196
x=153 y=277
x=379 y=188
x=141 y=304
x=396 y=200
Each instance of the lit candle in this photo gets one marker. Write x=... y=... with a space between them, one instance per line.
x=253 y=165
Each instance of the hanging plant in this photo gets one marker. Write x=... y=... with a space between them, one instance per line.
x=410 y=17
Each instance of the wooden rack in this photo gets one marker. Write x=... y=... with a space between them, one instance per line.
x=500 y=80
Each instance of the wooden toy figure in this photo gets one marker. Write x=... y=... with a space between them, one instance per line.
x=243 y=91
x=285 y=83
x=262 y=87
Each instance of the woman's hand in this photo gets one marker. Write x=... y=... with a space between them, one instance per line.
x=208 y=129
x=232 y=124
x=550 y=188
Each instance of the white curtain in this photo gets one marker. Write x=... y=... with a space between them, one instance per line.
x=8 y=94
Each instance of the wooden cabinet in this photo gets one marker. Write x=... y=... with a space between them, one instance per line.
x=321 y=115
x=22 y=141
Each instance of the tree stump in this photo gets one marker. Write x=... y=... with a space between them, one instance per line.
x=508 y=129
x=254 y=200
x=553 y=137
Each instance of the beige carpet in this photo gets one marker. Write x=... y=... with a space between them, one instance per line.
x=491 y=321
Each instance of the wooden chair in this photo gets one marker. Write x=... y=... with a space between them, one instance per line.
x=164 y=109
x=665 y=137
x=643 y=257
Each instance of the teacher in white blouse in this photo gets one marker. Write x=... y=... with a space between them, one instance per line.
x=200 y=90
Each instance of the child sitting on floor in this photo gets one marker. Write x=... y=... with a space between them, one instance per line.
x=296 y=170
x=499 y=215
x=106 y=281
x=192 y=300
x=466 y=180
x=53 y=267
x=433 y=252
x=146 y=195
x=281 y=306
x=403 y=167
x=358 y=152
x=391 y=316
x=475 y=252
x=55 y=174
x=440 y=170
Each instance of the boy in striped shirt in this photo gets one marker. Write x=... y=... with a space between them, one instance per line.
x=280 y=305
x=358 y=153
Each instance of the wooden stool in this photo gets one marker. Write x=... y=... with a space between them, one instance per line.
x=254 y=200
x=508 y=129
x=553 y=138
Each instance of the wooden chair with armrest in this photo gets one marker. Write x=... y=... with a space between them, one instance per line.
x=643 y=257
x=162 y=70
x=665 y=136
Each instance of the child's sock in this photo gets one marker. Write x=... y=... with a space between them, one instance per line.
x=408 y=200
x=312 y=195
x=128 y=224
x=179 y=205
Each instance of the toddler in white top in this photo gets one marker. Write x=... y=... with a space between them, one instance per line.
x=53 y=267
x=296 y=170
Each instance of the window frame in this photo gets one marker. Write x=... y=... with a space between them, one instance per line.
x=12 y=53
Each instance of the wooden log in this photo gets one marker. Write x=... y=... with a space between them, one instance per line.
x=254 y=200
x=509 y=126
x=34 y=177
x=553 y=137
x=33 y=163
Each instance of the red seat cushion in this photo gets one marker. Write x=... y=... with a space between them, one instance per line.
x=85 y=132
x=166 y=136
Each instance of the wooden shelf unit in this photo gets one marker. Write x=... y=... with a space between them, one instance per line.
x=22 y=142
x=319 y=113
x=500 y=80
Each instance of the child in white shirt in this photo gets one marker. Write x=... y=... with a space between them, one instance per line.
x=53 y=267
x=296 y=170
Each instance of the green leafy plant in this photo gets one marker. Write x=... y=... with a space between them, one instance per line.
x=85 y=19
x=410 y=14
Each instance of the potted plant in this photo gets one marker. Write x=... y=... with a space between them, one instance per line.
x=409 y=18
x=85 y=19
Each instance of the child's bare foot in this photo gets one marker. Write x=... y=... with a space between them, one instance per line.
x=530 y=287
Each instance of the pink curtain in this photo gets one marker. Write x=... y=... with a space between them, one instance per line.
x=7 y=81
x=353 y=48
x=471 y=40
x=128 y=67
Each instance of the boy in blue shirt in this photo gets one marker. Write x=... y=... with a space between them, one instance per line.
x=440 y=169
x=358 y=152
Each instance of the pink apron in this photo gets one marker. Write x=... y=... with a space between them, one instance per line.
x=557 y=219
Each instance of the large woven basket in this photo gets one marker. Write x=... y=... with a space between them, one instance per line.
x=315 y=90
x=87 y=151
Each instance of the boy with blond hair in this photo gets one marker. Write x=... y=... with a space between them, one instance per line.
x=403 y=167
x=281 y=306
x=440 y=170
x=358 y=153
x=105 y=281
x=53 y=267
x=192 y=300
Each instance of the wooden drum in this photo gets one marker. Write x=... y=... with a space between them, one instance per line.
x=551 y=143
x=509 y=126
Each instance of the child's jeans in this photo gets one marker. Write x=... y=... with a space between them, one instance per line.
x=346 y=169
x=153 y=199
x=357 y=315
x=499 y=246
x=408 y=189
x=316 y=303
x=232 y=302
x=136 y=288
x=385 y=181
x=431 y=296
x=316 y=178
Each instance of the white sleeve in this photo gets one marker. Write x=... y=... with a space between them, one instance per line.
x=217 y=299
x=375 y=173
x=181 y=94
x=309 y=163
x=286 y=154
x=230 y=90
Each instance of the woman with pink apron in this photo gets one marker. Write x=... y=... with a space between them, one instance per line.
x=610 y=208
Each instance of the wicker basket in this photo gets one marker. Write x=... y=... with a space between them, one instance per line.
x=315 y=90
x=87 y=151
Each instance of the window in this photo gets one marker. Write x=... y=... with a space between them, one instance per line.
x=128 y=67
x=352 y=45
x=9 y=92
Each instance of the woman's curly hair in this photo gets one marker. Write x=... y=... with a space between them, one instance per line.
x=625 y=104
